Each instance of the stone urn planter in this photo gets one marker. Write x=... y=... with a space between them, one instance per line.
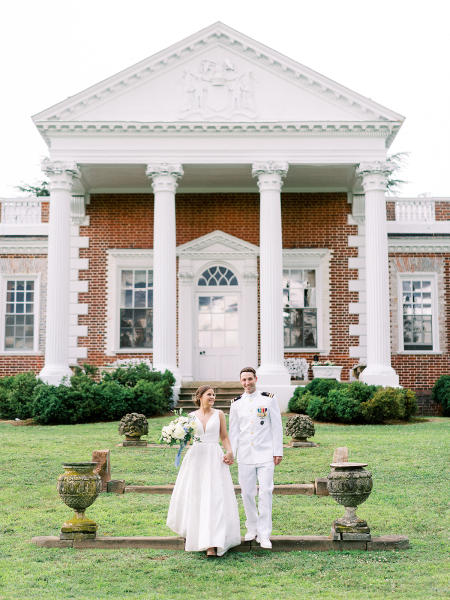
x=133 y=426
x=350 y=485
x=327 y=372
x=300 y=427
x=78 y=487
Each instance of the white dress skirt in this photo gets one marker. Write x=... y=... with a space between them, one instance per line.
x=203 y=507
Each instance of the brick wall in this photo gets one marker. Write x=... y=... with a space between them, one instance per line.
x=420 y=371
x=309 y=221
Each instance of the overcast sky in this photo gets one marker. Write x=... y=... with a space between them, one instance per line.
x=396 y=52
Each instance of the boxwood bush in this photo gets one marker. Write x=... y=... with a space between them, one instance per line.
x=86 y=398
x=355 y=402
x=441 y=394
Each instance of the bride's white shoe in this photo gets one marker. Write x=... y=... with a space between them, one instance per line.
x=249 y=536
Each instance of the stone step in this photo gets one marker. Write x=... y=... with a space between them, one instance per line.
x=225 y=392
x=287 y=489
x=280 y=543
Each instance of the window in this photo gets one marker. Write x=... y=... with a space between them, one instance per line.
x=300 y=308
x=418 y=316
x=19 y=314
x=217 y=276
x=136 y=308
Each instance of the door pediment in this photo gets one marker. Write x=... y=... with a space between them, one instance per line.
x=217 y=245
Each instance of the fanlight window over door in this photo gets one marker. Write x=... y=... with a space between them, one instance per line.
x=217 y=276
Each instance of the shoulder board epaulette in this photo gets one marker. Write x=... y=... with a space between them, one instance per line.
x=267 y=394
x=236 y=399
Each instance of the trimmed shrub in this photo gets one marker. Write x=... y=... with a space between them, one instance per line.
x=408 y=403
x=16 y=395
x=54 y=405
x=299 y=401
x=319 y=408
x=116 y=395
x=347 y=408
x=115 y=400
x=441 y=394
x=321 y=387
x=361 y=392
x=384 y=405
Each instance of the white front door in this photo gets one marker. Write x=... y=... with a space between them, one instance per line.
x=218 y=335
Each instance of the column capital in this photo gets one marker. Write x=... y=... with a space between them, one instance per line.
x=374 y=175
x=164 y=176
x=270 y=174
x=60 y=173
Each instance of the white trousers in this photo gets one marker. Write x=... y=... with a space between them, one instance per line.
x=259 y=519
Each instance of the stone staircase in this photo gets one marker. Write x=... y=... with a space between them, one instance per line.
x=225 y=392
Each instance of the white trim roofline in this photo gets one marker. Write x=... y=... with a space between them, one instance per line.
x=215 y=33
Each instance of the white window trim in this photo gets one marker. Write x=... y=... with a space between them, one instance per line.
x=36 y=277
x=434 y=307
x=318 y=259
x=119 y=259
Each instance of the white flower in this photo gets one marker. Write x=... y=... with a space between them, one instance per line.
x=179 y=432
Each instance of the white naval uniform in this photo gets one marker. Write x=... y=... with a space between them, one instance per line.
x=256 y=437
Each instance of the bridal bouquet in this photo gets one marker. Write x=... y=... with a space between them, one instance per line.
x=180 y=431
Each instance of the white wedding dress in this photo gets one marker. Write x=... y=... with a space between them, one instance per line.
x=203 y=507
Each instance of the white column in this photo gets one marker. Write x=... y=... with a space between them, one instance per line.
x=186 y=332
x=378 y=370
x=60 y=176
x=272 y=374
x=164 y=179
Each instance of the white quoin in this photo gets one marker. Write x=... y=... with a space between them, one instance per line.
x=379 y=370
x=164 y=179
x=61 y=176
x=272 y=373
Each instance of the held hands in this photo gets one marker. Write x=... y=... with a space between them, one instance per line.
x=228 y=459
x=277 y=460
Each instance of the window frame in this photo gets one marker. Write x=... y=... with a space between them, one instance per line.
x=36 y=278
x=432 y=277
x=121 y=260
x=319 y=261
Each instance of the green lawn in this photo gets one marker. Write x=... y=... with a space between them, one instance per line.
x=410 y=495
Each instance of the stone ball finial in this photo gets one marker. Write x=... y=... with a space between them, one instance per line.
x=133 y=425
x=300 y=427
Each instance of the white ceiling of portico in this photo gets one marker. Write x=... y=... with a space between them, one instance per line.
x=217 y=75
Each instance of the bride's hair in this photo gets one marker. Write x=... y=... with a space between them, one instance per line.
x=199 y=393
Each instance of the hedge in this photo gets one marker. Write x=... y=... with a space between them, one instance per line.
x=441 y=394
x=355 y=402
x=87 y=398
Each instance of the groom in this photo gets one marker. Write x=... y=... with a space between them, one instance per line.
x=256 y=436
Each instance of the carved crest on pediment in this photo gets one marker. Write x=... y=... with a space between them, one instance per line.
x=218 y=89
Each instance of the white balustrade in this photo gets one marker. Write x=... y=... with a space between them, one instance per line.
x=414 y=210
x=21 y=211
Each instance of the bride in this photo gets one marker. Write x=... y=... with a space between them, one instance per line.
x=203 y=507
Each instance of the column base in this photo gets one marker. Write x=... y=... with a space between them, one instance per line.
x=380 y=375
x=54 y=374
x=276 y=380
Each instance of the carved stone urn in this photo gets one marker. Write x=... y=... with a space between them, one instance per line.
x=78 y=487
x=350 y=485
x=133 y=426
x=300 y=427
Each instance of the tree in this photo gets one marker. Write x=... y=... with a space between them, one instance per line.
x=39 y=190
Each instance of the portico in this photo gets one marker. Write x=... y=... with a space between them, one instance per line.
x=271 y=127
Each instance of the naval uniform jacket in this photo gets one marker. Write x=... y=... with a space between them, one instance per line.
x=256 y=431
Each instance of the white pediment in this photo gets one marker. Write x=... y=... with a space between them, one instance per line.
x=217 y=244
x=217 y=75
